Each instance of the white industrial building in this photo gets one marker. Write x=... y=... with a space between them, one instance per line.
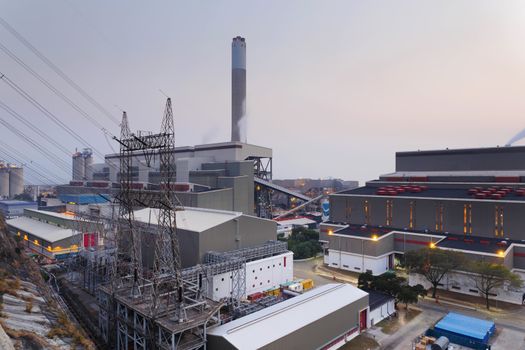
x=326 y=317
x=261 y=275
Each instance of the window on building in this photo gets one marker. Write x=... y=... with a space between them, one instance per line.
x=440 y=227
x=473 y=291
x=467 y=219
x=389 y=210
x=366 y=209
x=498 y=221
x=412 y=215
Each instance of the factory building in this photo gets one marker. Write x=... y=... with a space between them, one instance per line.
x=326 y=317
x=468 y=200
x=11 y=180
x=13 y=208
x=202 y=230
x=52 y=235
x=232 y=175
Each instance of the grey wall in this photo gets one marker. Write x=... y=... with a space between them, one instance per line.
x=425 y=214
x=502 y=158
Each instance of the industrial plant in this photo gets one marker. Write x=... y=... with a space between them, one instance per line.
x=467 y=200
x=147 y=245
x=11 y=180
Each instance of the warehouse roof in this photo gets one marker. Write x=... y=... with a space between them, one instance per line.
x=296 y=221
x=448 y=193
x=16 y=202
x=477 y=244
x=47 y=232
x=268 y=325
x=190 y=219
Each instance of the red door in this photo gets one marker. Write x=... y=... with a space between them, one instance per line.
x=362 y=320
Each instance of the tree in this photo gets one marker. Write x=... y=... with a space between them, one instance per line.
x=407 y=295
x=433 y=264
x=303 y=242
x=392 y=285
x=365 y=280
x=488 y=276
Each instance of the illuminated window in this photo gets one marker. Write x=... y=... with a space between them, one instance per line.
x=389 y=211
x=367 y=212
x=498 y=221
x=412 y=215
x=348 y=211
x=467 y=219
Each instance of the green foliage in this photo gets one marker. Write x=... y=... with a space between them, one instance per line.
x=304 y=243
x=488 y=276
x=392 y=285
x=407 y=295
x=433 y=264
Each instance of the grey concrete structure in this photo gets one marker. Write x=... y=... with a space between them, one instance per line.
x=238 y=89
x=472 y=159
x=202 y=230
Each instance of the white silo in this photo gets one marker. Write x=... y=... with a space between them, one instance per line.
x=16 y=181
x=79 y=169
x=87 y=154
x=4 y=181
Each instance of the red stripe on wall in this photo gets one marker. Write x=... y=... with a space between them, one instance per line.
x=521 y=255
x=411 y=241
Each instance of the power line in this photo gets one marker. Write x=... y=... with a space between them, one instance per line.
x=39 y=175
x=57 y=161
x=54 y=90
x=57 y=70
x=27 y=161
x=30 y=125
x=46 y=112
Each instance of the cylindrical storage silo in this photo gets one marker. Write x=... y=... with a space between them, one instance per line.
x=88 y=164
x=78 y=166
x=16 y=181
x=440 y=344
x=4 y=182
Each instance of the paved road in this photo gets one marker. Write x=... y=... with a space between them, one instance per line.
x=306 y=269
x=511 y=324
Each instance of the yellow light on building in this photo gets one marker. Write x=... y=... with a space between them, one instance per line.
x=49 y=248
x=18 y=233
x=432 y=245
x=330 y=232
x=501 y=253
x=35 y=241
x=25 y=237
x=374 y=237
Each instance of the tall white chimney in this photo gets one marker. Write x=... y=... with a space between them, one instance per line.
x=239 y=89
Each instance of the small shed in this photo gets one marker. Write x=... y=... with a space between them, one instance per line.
x=465 y=330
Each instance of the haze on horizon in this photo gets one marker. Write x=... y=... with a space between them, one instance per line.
x=335 y=88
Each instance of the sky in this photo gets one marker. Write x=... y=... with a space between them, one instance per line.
x=335 y=88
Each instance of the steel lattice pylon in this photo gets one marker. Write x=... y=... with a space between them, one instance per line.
x=167 y=256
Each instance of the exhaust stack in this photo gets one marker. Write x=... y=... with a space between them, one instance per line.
x=239 y=89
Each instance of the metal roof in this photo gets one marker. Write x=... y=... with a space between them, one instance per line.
x=16 y=202
x=47 y=232
x=465 y=325
x=433 y=193
x=277 y=321
x=190 y=219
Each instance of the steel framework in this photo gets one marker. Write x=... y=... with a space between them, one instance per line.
x=157 y=308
